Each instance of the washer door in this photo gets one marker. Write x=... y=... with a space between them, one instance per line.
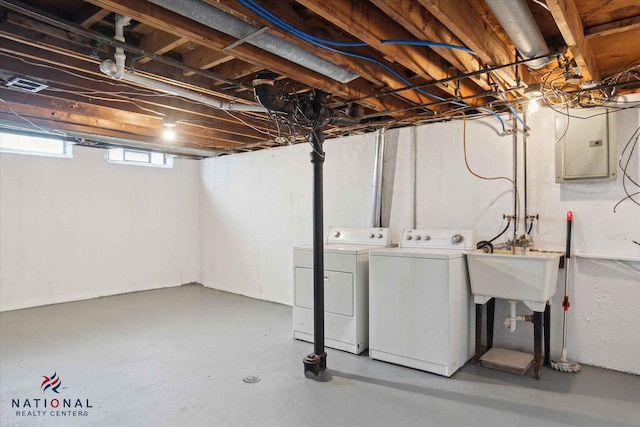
x=338 y=291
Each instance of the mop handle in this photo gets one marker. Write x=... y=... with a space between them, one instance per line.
x=565 y=302
x=569 y=219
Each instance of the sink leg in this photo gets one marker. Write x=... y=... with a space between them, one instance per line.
x=547 y=334
x=537 y=343
x=491 y=309
x=478 y=333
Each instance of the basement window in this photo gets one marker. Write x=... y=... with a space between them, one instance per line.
x=140 y=158
x=35 y=145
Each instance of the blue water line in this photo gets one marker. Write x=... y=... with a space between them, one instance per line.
x=321 y=43
x=427 y=43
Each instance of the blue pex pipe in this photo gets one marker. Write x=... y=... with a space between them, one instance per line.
x=322 y=43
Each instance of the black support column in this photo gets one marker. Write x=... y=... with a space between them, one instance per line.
x=316 y=362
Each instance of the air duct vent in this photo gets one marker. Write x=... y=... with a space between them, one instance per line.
x=26 y=84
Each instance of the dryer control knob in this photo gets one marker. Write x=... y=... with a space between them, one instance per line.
x=457 y=238
x=427 y=237
x=336 y=234
x=418 y=237
x=371 y=236
x=408 y=237
x=379 y=236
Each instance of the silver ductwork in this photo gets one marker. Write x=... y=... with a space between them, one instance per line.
x=219 y=20
x=517 y=20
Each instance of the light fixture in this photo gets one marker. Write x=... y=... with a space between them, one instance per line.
x=169 y=130
x=533 y=93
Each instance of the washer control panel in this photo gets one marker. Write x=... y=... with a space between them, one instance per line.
x=359 y=236
x=438 y=239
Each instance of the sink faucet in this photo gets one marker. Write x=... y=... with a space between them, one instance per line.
x=524 y=241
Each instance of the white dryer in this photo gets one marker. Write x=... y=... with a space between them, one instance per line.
x=420 y=304
x=346 y=287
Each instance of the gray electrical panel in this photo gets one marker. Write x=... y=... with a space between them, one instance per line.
x=585 y=145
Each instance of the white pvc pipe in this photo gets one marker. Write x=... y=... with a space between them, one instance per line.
x=120 y=57
x=116 y=71
x=110 y=68
x=219 y=103
x=512 y=318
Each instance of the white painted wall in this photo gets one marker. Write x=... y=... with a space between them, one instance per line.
x=605 y=293
x=257 y=207
x=231 y=222
x=80 y=228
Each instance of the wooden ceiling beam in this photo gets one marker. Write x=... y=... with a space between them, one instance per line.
x=236 y=69
x=610 y=28
x=473 y=32
x=160 y=144
x=204 y=58
x=566 y=15
x=58 y=78
x=55 y=52
x=170 y=22
x=87 y=114
x=159 y=43
x=371 y=25
x=284 y=10
x=89 y=15
x=35 y=32
x=423 y=26
x=97 y=119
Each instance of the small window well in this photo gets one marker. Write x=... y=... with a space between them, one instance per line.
x=35 y=145
x=141 y=158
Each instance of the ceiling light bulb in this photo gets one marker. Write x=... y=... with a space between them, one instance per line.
x=169 y=130
x=169 y=134
x=533 y=106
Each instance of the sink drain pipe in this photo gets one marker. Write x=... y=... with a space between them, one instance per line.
x=317 y=116
x=512 y=318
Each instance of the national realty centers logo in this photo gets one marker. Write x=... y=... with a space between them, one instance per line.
x=52 y=406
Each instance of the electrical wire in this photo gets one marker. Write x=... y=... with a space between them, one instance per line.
x=540 y=3
x=466 y=162
x=322 y=43
x=257 y=129
x=626 y=176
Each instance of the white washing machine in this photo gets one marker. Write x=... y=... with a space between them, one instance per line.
x=346 y=287
x=420 y=304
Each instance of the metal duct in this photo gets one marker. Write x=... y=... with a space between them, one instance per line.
x=376 y=188
x=217 y=19
x=516 y=19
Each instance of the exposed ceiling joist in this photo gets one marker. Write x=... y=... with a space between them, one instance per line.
x=61 y=44
x=566 y=16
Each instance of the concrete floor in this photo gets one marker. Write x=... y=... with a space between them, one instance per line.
x=178 y=357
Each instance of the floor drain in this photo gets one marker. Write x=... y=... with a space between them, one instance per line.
x=251 y=380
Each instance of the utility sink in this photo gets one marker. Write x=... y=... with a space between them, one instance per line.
x=529 y=276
